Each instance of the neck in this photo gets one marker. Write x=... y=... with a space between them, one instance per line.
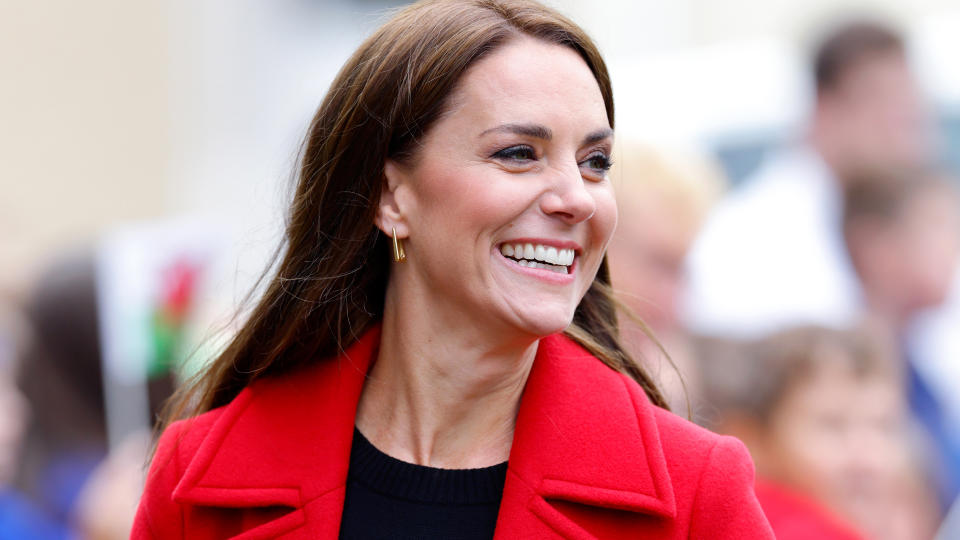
x=442 y=394
x=821 y=140
x=886 y=314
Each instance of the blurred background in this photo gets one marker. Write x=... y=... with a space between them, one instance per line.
x=789 y=231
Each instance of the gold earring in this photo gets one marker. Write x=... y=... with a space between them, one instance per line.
x=398 y=253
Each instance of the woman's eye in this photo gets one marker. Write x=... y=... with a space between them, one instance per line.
x=516 y=153
x=598 y=162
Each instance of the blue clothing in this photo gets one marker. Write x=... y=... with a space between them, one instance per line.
x=20 y=519
x=926 y=409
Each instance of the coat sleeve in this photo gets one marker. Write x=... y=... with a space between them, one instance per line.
x=158 y=516
x=725 y=505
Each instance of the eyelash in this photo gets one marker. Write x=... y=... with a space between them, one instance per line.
x=605 y=161
x=512 y=153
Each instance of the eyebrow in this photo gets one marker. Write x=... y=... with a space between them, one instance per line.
x=530 y=130
x=598 y=136
x=542 y=132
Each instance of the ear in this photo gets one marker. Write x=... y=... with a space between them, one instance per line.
x=390 y=211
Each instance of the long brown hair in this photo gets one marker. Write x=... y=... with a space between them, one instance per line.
x=331 y=281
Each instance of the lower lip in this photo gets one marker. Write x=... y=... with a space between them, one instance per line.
x=548 y=276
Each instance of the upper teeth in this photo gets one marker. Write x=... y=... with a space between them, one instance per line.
x=538 y=252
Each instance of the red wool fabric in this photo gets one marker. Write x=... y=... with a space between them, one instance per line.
x=794 y=516
x=591 y=458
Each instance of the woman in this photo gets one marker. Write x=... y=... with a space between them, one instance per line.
x=446 y=393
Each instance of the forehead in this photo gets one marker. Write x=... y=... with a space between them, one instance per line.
x=888 y=69
x=534 y=79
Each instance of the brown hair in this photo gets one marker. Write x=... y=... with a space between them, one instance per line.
x=884 y=195
x=331 y=279
x=751 y=377
x=849 y=45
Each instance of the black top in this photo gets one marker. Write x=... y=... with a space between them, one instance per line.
x=389 y=498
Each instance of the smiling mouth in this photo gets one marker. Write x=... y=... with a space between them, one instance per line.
x=539 y=256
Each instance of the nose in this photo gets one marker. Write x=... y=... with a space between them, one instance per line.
x=567 y=196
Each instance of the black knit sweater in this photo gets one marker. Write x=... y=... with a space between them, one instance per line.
x=389 y=498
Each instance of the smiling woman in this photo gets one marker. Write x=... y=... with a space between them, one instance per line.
x=512 y=165
x=474 y=387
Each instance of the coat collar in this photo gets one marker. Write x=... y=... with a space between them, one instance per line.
x=584 y=435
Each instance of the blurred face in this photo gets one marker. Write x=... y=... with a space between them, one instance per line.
x=909 y=263
x=929 y=244
x=506 y=207
x=646 y=258
x=878 y=115
x=838 y=437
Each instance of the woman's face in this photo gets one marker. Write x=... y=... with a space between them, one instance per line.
x=505 y=206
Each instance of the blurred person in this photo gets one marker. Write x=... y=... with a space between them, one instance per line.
x=824 y=416
x=774 y=253
x=437 y=354
x=19 y=516
x=902 y=230
x=771 y=254
x=88 y=488
x=106 y=506
x=662 y=199
x=61 y=378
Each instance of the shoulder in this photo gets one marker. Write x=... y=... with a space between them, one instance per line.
x=694 y=454
x=157 y=514
x=595 y=427
x=713 y=478
x=178 y=443
x=685 y=444
x=182 y=438
x=602 y=396
x=686 y=440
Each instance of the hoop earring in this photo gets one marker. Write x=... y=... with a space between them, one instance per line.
x=398 y=254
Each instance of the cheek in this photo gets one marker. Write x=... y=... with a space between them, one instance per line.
x=436 y=182
x=604 y=220
x=445 y=199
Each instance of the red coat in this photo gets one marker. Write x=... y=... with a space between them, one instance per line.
x=591 y=457
x=794 y=516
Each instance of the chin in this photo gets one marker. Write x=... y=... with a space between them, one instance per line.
x=545 y=324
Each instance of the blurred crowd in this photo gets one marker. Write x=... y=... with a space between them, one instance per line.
x=807 y=310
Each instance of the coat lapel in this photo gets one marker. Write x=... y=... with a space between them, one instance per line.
x=285 y=441
x=584 y=437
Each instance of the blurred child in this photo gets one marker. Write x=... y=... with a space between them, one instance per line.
x=823 y=414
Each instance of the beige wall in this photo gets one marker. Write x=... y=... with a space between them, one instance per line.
x=83 y=122
x=112 y=110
